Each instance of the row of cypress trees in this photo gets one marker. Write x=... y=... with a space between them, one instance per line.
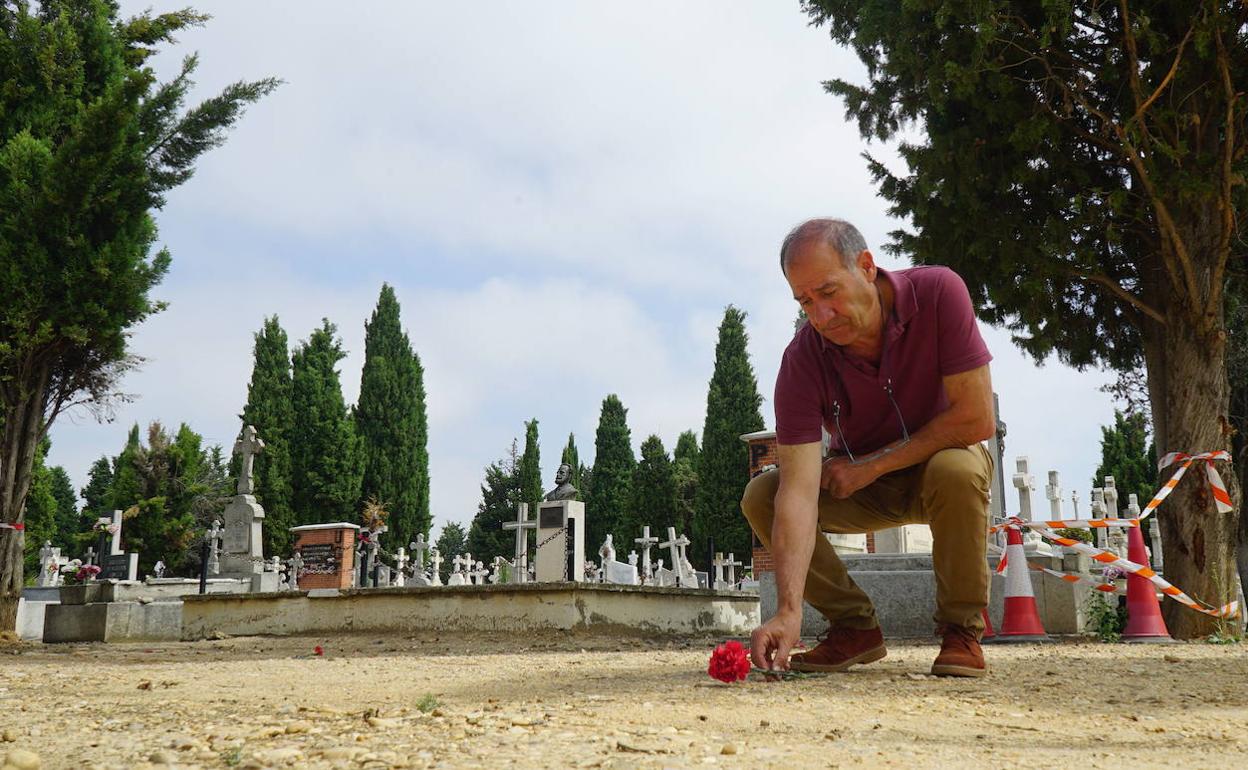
x=322 y=460
x=696 y=489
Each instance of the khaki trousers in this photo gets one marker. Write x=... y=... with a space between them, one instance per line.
x=949 y=493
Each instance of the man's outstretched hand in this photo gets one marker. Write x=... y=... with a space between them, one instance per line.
x=771 y=642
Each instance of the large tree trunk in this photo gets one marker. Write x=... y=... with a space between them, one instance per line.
x=19 y=439
x=1190 y=397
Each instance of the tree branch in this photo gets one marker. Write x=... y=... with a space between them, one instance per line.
x=1174 y=67
x=1118 y=291
x=1225 y=202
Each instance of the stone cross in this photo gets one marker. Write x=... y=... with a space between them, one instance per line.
x=1024 y=482
x=419 y=547
x=214 y=555
x=645 y=541
x=275 y=564
x=293 y=568
x=248 y=446
x=496 y=571
x=479 y=574
x=1115 y=537
x=632 y=559
x=1054 y=492
x=607 y=551
x=115 y=548
x=521 y=525
x=1098 y=512
x=718 y=564
x=90 y=556
x=435 y=563
x=731 y=565
x=400 y=564
x=1074 y=501
x=676 y=546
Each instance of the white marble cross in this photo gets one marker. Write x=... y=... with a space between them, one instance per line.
x=419 y=547
x=1074 y=502
x=676 y=545
x=1054 y=492
x=115 y=548
x=1024 y=482
x=214 y=556
x=718 y=564
x=435 y=563
x=248 y=446
x=645 y=541
x=607 y=551
x=1098 y=512
x=400 y=565
x=479 y=574
x=731 y=565
x=1116 y=537
x=294 y=568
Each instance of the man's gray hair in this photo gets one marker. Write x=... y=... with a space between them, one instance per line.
x=840 y=235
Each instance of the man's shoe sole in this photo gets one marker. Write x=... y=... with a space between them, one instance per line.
x=870 y=656
x=950 y=670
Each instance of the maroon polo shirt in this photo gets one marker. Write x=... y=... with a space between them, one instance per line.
x=931 y=333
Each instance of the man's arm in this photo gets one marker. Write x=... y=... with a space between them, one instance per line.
x=793 y=533
x=968 y=420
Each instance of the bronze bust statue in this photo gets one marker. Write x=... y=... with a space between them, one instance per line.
x=563 y=489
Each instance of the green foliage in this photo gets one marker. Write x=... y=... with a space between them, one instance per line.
x=610 y=490
x=732 y=408
x=392 y=423
x=428 y=702
x=529 y=470
x=451 y=541
x=89 y=145
x=41 y=510
x=1082 y=535
x=573 y=461
x=325 y=451
x=655 y=502
x=1105 y=617
x=500 y=494
x=269 y=410
x=95 y=495
x=168 y=491
x=685 y=461
x=66 y=505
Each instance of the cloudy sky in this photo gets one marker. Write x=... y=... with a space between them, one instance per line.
x=565 y=197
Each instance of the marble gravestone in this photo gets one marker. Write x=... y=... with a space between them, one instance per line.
x=242 y=546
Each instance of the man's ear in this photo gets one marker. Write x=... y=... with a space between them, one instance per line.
x=866 y=263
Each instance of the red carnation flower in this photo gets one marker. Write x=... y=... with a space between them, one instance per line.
x=318 y=650
x=729 y=662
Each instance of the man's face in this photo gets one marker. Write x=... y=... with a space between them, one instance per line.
x=838 y=301
x=561 y=475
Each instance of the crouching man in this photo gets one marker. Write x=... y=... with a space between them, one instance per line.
x=893 y=366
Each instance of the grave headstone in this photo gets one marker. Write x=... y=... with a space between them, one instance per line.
x=731 y=565
x=521 y=525
x=327 y=555
x=435 y=567
x=214 y=549
x=242 y=544
x=49 y=565
x=119 y=566
x=1053 y=491
x=718 y=565
x=1098 y=512
x=1115 y=537
x=400 y=568
x=676 y=547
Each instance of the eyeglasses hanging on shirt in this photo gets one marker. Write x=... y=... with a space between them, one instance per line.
x=840 y=434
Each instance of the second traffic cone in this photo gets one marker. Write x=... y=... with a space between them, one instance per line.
x=988 y=632
x=1144 y=621
x=1021 y=621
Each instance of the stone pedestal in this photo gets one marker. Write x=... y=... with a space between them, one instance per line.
x=561 y=541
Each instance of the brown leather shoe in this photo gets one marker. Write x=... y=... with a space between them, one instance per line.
x=840 y=648
x=960 y=653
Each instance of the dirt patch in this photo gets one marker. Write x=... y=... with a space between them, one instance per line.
x=566 y=701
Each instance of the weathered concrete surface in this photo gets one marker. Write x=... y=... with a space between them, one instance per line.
x=530 y=607
x=903 y=588
x=139 y=590
x=113 y=622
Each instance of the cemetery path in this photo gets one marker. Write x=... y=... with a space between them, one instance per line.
x=567 y=701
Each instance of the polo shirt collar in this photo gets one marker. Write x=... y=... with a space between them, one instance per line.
x=905 y=305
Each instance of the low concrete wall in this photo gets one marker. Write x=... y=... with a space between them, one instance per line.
x=113 y=622
x=536 y=606
x=903 y=589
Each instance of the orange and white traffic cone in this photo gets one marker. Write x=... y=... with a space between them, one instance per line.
x=1144 y=621
x=1021 y=621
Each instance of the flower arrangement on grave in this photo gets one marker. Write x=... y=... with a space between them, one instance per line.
x=374 y=515
x=730 y=662
x=83 y=573
x=105 y=524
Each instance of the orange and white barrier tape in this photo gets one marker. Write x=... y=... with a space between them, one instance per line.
x=1220 y=496
x=1069 y=524
x=1097 y=585
x=18 y=527
x=1225 y=611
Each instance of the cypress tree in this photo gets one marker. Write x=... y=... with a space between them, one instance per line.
x=500 y=493
x=40 y=512
x=654 y=494
x=324 y=448
x=732 y=408
x=685 y=476
x=450 y=543
x=390 y=418
x=66 y=506
x=530 y=469
x=96 y=494
x=610 y=485
x=269 y=411
x=572 y=459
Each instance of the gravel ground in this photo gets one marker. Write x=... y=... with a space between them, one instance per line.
x=570 y=701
